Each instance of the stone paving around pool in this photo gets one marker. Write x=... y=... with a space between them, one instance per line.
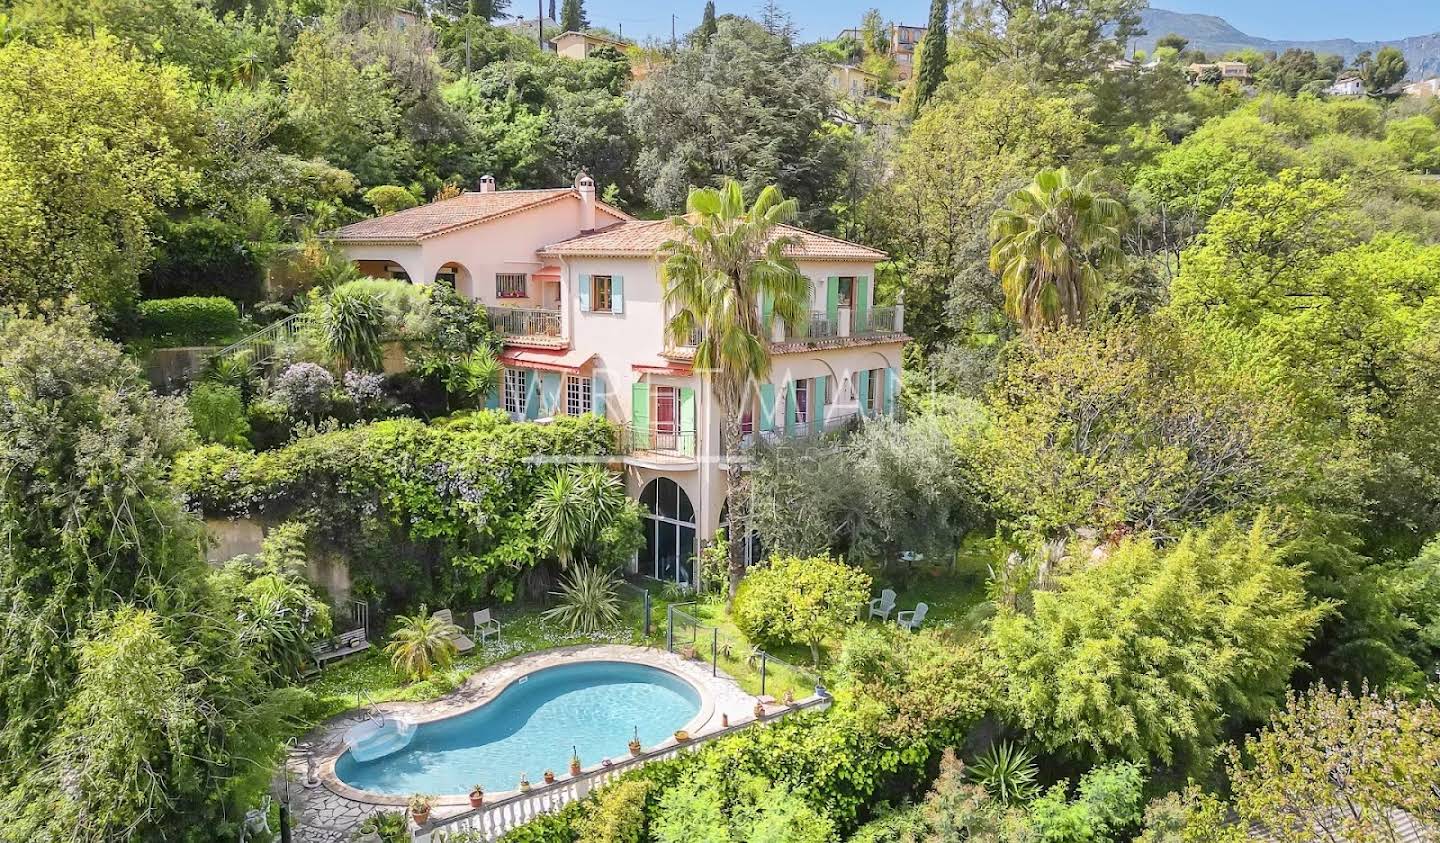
x=330 y=812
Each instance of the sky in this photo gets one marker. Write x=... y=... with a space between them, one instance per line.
x=1296 y=19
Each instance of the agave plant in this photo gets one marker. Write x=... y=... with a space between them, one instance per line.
x=588 y=602
x=421 y=644
x=1007 y=772
x=237 y=369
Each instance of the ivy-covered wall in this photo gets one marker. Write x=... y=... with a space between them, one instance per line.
x=422 y=512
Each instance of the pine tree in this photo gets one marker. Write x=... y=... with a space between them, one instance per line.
x=932 y=54
x=572 y=16
x=708 y=27
x=552 y=10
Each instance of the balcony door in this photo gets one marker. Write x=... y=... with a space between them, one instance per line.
x=669 y=552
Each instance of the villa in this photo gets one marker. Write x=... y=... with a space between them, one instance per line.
x=572 y=284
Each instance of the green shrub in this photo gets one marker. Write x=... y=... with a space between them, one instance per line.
x=617 y=814
x=218 y=414
x=189 y=320
x=389 y=198
x=800 y=601
x=204 y=257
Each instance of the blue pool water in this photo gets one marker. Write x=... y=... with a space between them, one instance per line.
x=531 y=726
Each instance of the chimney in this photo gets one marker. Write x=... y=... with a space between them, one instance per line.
x=585 y=186
x=487 y=184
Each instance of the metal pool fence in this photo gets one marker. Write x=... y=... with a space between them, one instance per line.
x=692 y=638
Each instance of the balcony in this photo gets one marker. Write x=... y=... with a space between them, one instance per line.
x=526 y=322
x=658 y=446
x=876 y=321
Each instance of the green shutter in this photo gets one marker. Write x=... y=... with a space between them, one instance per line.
x=597 y=395
x=550 y=394
x=767 y=316
x=532 y=391
x=832 y=298
x=492 y=398
x=892 y=384
x=817 y=404
x=617 y=294
x=862 y=391
x=640 y=411
x=862 y=302
x=687 y=421
x=791 y=407
x=584 y=294
x=767 y=407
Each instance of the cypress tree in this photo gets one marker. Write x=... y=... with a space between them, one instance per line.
x=572 y=16
x=932 y=54
x=552 y=10
x=708 y=27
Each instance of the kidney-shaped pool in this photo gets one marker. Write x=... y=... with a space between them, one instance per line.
x=531 y=726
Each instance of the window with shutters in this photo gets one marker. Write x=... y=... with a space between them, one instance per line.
x=802 y=402
x=515 y=391
x=510 y=285
x=601 y=299
x=847 y=292
x=578 y=398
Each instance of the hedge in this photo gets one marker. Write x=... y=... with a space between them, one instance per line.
x=189 y=320
x=204 y=257
x=418 y=510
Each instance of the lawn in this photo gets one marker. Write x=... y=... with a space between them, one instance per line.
x=954 y=596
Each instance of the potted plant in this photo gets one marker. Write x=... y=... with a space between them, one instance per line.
x=524 y=783
x=420 y=806
x=549 y=776
x=724 y=720
x=681 y=736
x=477 y=796
x=789 y=696
x=759 y=710
x=369 y=831
x=574 y=762
x=635 y=742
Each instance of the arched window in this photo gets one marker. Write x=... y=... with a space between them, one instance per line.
x=669 y=552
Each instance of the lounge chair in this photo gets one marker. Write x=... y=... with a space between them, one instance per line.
x=462 y=642
x=911 y=620
x=486 y=626
x=882 y=606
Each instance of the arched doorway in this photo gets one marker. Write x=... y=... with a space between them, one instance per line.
x=669 y=552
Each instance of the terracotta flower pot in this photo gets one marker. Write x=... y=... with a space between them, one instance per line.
x=421 y=817
x=476 y=799
x=635 y=747
x=759 y=710
x=574 y=766
x=549 y=776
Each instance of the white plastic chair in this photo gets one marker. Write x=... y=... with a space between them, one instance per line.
x=882 y=606
x=911 y=620
x=486 y=626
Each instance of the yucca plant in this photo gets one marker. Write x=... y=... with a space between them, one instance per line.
x=421 y=644
x=588 y=602
x=352 y=326
x=1007 y=772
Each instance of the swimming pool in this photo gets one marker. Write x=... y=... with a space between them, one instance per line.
x=530 y=727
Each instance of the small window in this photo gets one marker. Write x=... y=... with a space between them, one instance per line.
x=578 y=400
x=446 y=275
x=872 y=389
x=802 y=402
x=510 y=285
x=515 y=392
x=847 y=292
x=600 y=298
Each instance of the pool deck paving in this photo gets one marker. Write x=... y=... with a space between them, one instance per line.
x=330 y=811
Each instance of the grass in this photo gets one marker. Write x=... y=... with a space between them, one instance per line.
x=954 y=595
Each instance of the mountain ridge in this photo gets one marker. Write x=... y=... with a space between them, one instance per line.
x=1216 y=36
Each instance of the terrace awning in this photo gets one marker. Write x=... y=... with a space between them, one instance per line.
x=550 y=272
x=561 y=360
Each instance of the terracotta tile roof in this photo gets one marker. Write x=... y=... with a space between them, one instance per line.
x=643 y=237
x=464 y=210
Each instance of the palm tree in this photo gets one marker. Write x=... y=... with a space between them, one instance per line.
x=1051 y=245
x=724 y=259
x=421 y=644
x=574 y=505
